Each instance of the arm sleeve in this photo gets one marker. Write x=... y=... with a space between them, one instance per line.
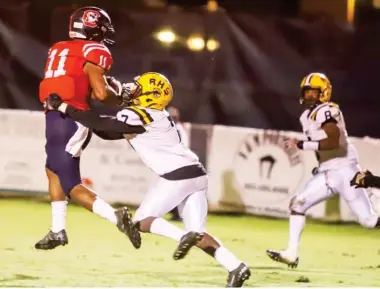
x=92 y=120
x=373 y=181
x=98 y=54
x=108 y=135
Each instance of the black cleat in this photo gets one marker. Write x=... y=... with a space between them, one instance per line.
x=126 y=226
x=237 y=277
x=187 y=242
x=276 y=256
x=52 y=240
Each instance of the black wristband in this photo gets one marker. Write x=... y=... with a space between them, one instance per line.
x=300 y=144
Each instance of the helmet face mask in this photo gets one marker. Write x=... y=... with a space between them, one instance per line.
x=91 y=23
x=315 y=89
x=310 y=96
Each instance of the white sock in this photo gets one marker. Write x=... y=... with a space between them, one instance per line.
x=227 y=259
x=164 y=228
x=296 y=225
x=104 y=210
x=58 y=212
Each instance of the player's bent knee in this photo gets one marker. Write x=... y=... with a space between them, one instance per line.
x=369 y=222
x=296 y=207
x=68 y=186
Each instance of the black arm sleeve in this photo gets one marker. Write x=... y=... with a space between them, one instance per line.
x=108 y=135
x=373 y=181
x=93 y=121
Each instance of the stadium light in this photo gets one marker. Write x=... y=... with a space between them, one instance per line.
x=195 y=43
x=212 y=5
x=212 y=44
x=166 y=36
x=350 y=11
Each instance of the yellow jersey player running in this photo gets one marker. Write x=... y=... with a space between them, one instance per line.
x=183 y=181
x=325 y=133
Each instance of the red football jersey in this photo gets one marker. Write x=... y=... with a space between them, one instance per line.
x=64 y=73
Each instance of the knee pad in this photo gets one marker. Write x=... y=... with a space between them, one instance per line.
x=68 y=184
x=67 y=169
x=369 y=222
x=69 y=180
x=296 y=205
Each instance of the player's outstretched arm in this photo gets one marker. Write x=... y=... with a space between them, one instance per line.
x=91 y=119
x=108 y=135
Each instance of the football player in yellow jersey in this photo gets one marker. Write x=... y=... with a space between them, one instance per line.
x=182 y=181
x=325 y=133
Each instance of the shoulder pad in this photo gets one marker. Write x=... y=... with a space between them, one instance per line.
x=134 y=116
x=304 y=116
x=97 y=53
x=324 y=112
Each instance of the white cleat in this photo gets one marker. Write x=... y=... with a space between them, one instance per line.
x=283 y=257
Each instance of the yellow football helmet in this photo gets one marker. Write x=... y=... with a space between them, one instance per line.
x=317 y=81
x=153 y=91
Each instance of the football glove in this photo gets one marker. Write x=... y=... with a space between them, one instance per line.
x=53 y=102
x=360 y=179
x=128 y=92
x=114 y=85
x=314 y=171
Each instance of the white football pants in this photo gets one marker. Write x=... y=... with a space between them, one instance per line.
x=189 y=195
x=325 y=184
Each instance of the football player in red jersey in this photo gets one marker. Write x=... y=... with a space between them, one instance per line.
x=75 y=70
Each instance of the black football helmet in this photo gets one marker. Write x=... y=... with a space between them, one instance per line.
x=91 y=23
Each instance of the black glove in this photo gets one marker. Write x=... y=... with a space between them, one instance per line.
x=53 y=102
x=360 y=179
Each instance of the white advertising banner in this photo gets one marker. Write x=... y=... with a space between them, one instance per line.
x=115 y=171
x=22 y=151
x=251 y=171
x=111 y=168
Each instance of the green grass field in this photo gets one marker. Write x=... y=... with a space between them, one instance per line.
x=98 y=255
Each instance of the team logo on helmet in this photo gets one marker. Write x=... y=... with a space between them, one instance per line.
x=90 y=17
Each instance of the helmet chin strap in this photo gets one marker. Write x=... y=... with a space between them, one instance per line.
x=77 y=35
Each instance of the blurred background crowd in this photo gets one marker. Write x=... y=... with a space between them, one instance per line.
x=232 y=62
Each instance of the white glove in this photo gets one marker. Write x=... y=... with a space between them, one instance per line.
x=114 y=85
x=129 y=87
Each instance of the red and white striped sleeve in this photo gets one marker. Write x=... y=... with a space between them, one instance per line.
x=98 y=53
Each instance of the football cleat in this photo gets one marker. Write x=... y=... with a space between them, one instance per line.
x=237 y=277
x=126 y=226
x=278 y=256
x=52 y=240
x=188 y=241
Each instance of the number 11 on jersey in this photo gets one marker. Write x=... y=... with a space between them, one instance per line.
x=60 y=70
